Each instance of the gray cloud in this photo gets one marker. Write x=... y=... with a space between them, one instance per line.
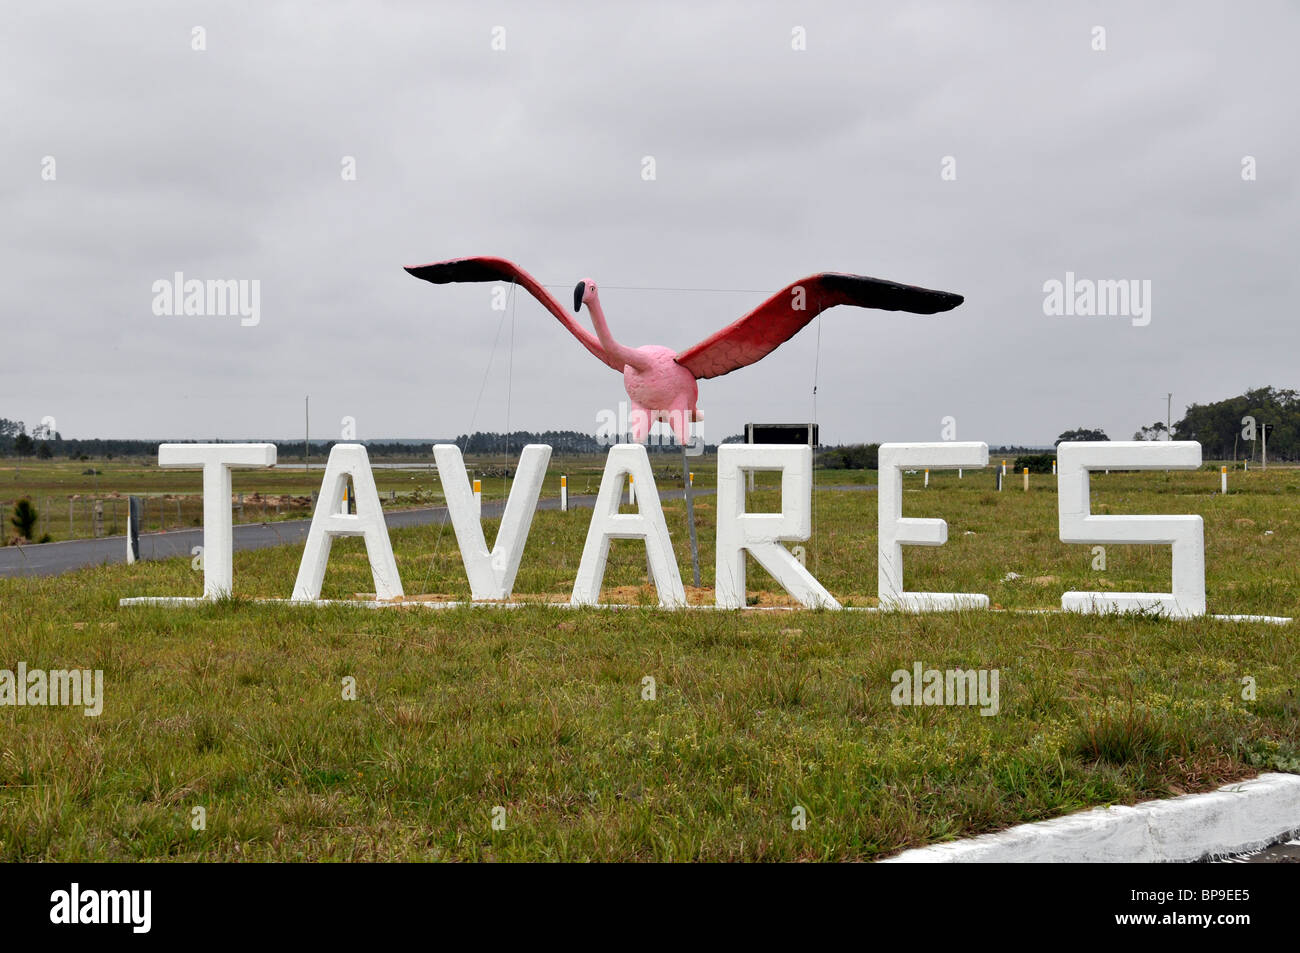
x=771 y=164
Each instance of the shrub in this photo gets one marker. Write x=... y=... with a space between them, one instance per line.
x=1036 y=462
x=858 y=456
x=24 y=518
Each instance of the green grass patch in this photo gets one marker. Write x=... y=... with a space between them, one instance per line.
x=238 y=708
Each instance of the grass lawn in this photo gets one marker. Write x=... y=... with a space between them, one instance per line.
x=238 y=708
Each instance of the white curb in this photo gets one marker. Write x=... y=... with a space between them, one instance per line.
x=1236 y=818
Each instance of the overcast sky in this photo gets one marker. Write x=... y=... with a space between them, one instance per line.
x=770 y=163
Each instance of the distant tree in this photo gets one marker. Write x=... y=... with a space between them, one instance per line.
x=1222 y=430
x=1034 y=463
x=858 y=456
x=45 y=453
x=24 y=445
x=1155 y=431
x=24 y=518
x=1081 y=434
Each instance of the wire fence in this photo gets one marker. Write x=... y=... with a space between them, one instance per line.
x=93 y=516
x=96 y=515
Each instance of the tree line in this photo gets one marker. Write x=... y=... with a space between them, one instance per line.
x=1233 y=429
x=1228 y=429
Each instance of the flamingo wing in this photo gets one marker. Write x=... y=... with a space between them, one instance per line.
x=498 y=269
x=783 y=315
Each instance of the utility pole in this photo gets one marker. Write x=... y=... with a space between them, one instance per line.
x=306 y=437
x=1169 y=416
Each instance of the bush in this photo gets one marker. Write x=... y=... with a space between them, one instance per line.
x=1036 y=462
x=858 y=456
x=24 y=518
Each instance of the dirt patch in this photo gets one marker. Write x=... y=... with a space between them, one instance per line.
x=626 y=596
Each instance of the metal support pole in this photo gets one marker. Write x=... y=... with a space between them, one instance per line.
x=690 y=516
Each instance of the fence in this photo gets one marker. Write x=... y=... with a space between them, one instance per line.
x=92 y=516
x=88 y=516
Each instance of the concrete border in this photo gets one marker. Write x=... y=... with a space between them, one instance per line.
x=1236 y=818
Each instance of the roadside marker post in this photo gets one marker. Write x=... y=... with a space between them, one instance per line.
x=132 y=529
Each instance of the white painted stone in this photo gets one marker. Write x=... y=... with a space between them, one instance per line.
x=1184 y=533
x=895 y=531
x=217 y=460
x=761 y=534
x=347 y=460
x=492 y=572
x=607 y=523
x=1238 y=817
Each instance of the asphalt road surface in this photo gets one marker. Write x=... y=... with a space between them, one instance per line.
x=51 y=559
x=1287 y=852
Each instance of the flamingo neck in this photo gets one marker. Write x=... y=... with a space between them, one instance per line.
x=612 y=347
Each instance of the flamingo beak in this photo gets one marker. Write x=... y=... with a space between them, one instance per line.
x=578 y=292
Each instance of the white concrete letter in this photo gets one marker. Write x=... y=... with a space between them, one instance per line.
x=761 y=533
x=1185 y=533
x=492 y=573
x=608 y=523
x=217 y=460
x=347 y=460
x=895 y=530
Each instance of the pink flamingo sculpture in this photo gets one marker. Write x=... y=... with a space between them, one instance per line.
x=660 y=382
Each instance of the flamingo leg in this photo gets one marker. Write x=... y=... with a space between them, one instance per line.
x=639 y=421
x=679 y=418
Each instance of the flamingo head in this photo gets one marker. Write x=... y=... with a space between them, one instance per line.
x=584 y=293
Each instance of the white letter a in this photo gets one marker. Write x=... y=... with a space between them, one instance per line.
x=347 y=459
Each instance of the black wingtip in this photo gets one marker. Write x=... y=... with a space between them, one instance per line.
x=461 y=269
x=885 y=295
x=423 y=272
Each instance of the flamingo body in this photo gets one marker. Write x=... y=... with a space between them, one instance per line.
x=660 y=382
x=663 y=391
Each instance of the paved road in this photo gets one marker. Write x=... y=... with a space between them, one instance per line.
x=1287 y=852
x=51 y=559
